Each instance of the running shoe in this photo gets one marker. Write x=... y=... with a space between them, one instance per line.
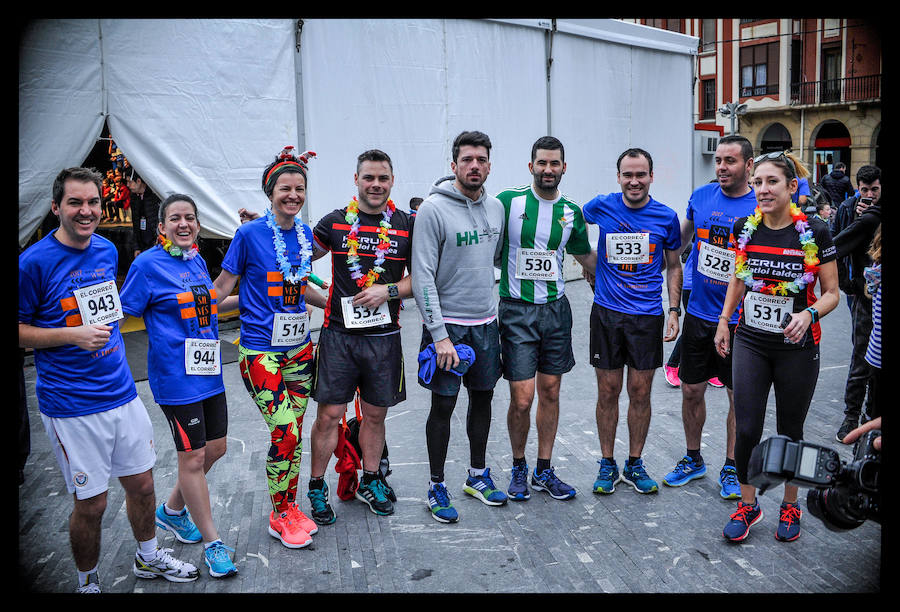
x=685 y=471
x=182 y=526
x=91 y=586
x=285 y=527
x=850 y=423
x=607 y=477
x=789 y=522
x=308 y=525
x=375 y=496
x=321 y=509
x=715 y=382
x=635 y=475
x=217 y=560
x=165 y=565
x=482 y=488
x=742 y=520
x=439 y=503
x=672 y=377
x=728 y=481
x=518 y=483
x=388 y=490
x=549 y=482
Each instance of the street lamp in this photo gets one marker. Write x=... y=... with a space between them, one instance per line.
x=733 y=111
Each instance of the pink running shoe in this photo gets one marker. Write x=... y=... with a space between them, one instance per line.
x=672 y=377
x=715 y=382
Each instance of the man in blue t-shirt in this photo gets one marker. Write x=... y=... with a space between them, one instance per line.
x=69 y=309
x=637 y=236
x=711 y=213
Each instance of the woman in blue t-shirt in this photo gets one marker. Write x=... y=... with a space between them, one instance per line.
x=272 y=256
x=170 y=287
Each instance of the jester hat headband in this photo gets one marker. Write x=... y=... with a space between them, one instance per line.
x=285 y=162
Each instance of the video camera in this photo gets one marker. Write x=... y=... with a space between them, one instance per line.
x=843 y=495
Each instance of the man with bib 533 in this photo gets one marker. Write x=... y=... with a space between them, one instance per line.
x=637 y=234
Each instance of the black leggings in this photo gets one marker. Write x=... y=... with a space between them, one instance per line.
x=437 y=429
x=793 y=373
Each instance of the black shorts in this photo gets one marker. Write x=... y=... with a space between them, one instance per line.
x=347 y=362
x=699 y=359
x=535 y=338
x=193 y=425
x=484 y=373
x=619 y=339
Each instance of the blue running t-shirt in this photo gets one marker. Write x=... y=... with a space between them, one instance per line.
x=177 y=300
x=263 y=290
x=629 y=278
x=70 y=380
x=713 y=214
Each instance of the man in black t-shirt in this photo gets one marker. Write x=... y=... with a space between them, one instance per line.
x=144 y=211
x=359 y=345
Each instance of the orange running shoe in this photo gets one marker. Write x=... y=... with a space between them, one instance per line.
x=308 y=525
x=286 y=528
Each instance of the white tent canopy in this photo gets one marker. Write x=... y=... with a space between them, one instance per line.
x=201 y=106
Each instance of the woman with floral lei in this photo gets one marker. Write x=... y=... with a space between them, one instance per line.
x=170 y=287
x=272 y=255
x=779 y=256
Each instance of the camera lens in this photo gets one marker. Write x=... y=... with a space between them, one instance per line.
x=836 y=507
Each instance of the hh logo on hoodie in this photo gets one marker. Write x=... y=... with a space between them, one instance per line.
x=472 y=237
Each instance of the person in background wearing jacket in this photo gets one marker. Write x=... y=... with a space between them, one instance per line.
x=838 y=184
x=455 y=247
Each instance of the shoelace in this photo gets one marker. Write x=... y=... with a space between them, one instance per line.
x=789 y=514
x=520 y=475
x=730 y=477
x=550 y=477
x=162 y=554
x=318 y=500
x=441 y=495
x=741 y=513
x=606 y=469
x=378 y=490
x=637 y=468
x=219 y=552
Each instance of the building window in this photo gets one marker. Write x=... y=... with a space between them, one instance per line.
x=708 y=99
x=759 y=70
x=675 y=25
x=707 y=35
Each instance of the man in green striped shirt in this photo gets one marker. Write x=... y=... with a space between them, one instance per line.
x=534 y=315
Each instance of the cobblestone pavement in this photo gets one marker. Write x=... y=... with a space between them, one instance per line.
x=669 y=542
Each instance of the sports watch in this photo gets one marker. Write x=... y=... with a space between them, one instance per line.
x=676 y=310
x=393 y=291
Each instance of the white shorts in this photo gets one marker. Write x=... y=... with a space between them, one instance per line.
x=93 y=448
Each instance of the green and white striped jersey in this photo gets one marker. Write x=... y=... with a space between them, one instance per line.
x=537 y=232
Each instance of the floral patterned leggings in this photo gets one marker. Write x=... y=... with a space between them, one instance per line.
x=279 y=384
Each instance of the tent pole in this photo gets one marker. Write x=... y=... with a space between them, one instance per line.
x=301 y=127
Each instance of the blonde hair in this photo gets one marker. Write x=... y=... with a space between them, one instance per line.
x=875 y=249
x=802 y=172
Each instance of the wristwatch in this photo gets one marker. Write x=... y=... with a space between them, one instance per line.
x=676 y=310
x=814 y=313
x=393 y=291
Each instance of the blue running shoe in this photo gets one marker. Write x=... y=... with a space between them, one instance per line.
x=728 y=481
x=182 y=526
x=518 y=484
x=482 y=488
x=742 y=520
x=322 y=512
x=635 y=475
x=549 y=482
x=685 y=471
x=218 y=561
x=607 y=477
x=789 y=522
x=439 y=503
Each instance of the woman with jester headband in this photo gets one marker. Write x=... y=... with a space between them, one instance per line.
x=272 y=255
x=170 y=287
x=779 y=256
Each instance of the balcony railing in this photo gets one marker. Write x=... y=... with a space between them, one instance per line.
x=837 y=90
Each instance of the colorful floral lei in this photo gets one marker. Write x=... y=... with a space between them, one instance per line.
x=176 y=251
x=305 y=250
x=810 y=259
x=381 y=249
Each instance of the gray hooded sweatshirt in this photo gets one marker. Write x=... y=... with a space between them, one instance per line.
x=455 y=245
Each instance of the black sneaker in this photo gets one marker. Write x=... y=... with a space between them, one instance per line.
x=375 y=495
x=388 y=491
x=850 y=423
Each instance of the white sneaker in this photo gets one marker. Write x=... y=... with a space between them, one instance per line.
x=91 y=586
x=165 y=565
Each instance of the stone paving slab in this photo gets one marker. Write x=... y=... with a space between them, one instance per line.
x=669 y=542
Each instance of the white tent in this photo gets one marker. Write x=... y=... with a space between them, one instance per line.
x=201 y=106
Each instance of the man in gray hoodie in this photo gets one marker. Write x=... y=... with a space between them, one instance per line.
x=455 y=246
